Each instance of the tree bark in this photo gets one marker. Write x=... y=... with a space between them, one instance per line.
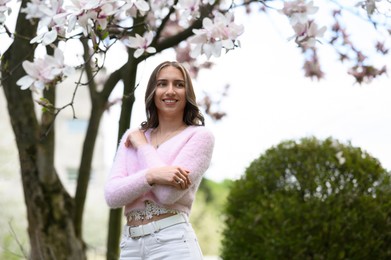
x=129 y=73
x=49 y=207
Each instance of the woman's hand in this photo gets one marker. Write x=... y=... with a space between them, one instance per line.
x=135 y=139
x=169 y=175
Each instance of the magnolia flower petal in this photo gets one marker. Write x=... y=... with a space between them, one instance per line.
x=54 y=72
x=148 y=37
x=25 y=82
x=37 y=38
x=311 y=42
x=196 y=51
x=39 y=85
x=71 y=22
x=68 y=71
x=321 y=31
x=150 y=50
x=216 y=49
x=198 y=39
x=49 y=37
x=207 y=23
x=138 y=53
x=59 y=56
x=132 y=42
x=207 y=49
x=30 y=68
x=228 y=44
x=142 y=5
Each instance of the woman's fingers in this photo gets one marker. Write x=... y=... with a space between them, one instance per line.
x=179 y=183
x=184 y=176
x=182 y=179
x=135 y=139
x=128 y=142
x=170 y=175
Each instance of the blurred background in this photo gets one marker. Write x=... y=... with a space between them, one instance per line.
x=268 y=100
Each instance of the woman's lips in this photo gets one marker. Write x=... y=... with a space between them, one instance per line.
x=170 y=101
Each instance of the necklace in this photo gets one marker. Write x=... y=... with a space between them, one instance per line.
x=166 y=137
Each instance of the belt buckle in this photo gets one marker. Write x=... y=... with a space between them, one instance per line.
x=130 y=232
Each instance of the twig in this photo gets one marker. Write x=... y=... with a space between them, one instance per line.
x=17 y=241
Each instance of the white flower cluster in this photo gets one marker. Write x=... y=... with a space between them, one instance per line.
x=44 y=71
x=216 y=34
x=60 y=20
x=4 y=11
x=306 y=30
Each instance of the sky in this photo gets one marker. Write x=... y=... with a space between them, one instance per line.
x=270 y=100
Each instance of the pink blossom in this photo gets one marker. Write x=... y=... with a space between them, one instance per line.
x=307 y=34
x=45 y=38
x=132 y=6
x=43 y=72
x=188 y=9
x=141 y=44
x=220 y=33
x=49 y=24
x=298 y=11
x=84 y=12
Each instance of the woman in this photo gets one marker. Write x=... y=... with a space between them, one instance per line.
x=158 y=168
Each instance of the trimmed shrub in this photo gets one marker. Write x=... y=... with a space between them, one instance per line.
x=310 y=199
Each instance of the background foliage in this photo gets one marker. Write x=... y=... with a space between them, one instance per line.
x=310 y=199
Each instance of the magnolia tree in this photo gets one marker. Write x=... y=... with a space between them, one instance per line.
x=34 y=64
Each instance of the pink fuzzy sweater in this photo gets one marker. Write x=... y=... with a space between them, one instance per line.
x=127 y=185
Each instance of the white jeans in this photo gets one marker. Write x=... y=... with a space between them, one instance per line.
x=177 y=242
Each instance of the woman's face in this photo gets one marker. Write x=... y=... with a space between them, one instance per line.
x=170 y=93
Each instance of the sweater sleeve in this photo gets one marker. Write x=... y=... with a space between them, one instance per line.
x=195 y=156
x=123 y=187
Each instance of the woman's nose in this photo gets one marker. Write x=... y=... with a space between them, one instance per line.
x=170 y=89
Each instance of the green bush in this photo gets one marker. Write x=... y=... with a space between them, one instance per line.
x=310 y=199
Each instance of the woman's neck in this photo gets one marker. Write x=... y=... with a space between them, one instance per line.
x=165 y=127
x=165 y=131
x=170 y=124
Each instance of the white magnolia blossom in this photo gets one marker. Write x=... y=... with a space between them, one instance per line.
x=298 y=11
x=188 y=9
x=3 y=11
x=132 y=6
x=141 y=44
x=84 y=15
x=44 y=71
x=220 y=33
x=52 y=20
x=307 y=34
x=80 y=13
x=306 y=30
x=35 y=9
x=45 y=38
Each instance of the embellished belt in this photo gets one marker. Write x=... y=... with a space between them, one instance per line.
x=154 y=226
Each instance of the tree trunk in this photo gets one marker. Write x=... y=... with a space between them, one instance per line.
x=49 y=207
x=129 y=73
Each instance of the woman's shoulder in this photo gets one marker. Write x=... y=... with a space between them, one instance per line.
x=201 y=131
x=127 y=132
